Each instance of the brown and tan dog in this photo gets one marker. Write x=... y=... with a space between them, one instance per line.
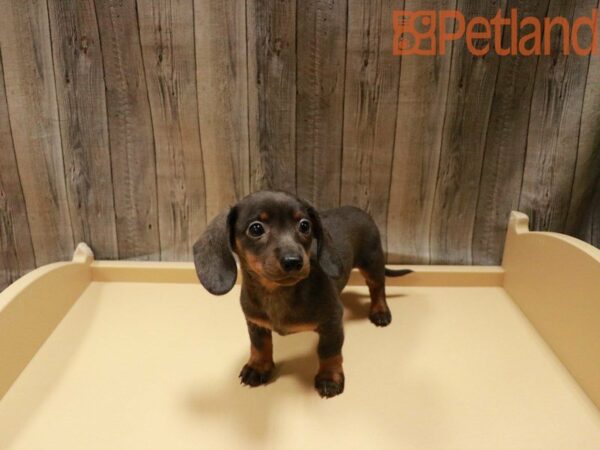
x=294 y=263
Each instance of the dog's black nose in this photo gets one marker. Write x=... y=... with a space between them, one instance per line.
x=291 y=263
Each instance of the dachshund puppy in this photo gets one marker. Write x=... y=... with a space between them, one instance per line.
x=294 y=264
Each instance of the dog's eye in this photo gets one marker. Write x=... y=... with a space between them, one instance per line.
x=256 y=229
x=304 y=226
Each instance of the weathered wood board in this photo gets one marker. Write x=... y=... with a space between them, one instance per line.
x=130 y=124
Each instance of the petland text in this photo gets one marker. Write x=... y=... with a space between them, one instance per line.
x=429 y=32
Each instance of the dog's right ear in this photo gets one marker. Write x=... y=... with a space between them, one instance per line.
x=213 y=256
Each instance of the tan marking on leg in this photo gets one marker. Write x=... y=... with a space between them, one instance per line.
x=377 y=294
x=331 y=368
x=261 y=360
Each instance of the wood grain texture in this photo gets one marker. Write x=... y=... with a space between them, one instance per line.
x=130 y=131
x=593 y=220
x=466 y=123
x=131 y=123
x=222 y=80
x=79 y=76
x=16 y=248
x=272 y=93
x=321 y=37
x=589 y=229
x=422 y=99
x=370 y=108
x=506 y=144
x=587 y=170
x=31 y=95
x=554 y=127
x=167 y=37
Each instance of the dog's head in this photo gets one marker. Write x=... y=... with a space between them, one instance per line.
x=272 y=232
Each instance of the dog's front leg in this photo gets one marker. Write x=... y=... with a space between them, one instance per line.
x=259 y=367
x=329 y=381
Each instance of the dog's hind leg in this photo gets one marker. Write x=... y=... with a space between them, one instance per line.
x=372 y=267
x=379 y=312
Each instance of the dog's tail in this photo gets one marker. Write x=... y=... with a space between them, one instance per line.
x=397 y=273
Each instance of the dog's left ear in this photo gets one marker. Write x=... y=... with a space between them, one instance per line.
x=328 y=258
x=213 y=256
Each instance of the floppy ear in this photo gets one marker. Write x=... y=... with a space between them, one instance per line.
x=213 y=256
x=328 y=258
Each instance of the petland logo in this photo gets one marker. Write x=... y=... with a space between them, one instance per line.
x=428 y=33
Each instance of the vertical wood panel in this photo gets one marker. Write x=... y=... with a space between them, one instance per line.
x=223 y=100
x=421 y=107
x=272 y=93
x=167 y=36
x=321 y=35
x=130 y=130
x=370 y=107
x=554 y=128
x=504 y=159
x=168 y=111
x=589 y=229
x=79 y=75
x=466 y=122
x=31 y=94
x=587 y=170
x=592 y=221
x=16 y=248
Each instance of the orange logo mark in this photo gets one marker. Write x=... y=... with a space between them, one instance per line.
x=428 y=33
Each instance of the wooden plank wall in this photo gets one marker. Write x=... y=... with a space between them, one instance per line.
x=130 y=123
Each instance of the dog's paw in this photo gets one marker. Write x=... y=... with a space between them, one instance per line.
x=252 y=377
x=381 y=318
x=327 y=387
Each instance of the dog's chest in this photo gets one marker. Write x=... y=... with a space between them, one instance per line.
x=277 y=312
x=282 y=317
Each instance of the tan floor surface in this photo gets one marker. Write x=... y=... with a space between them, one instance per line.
x=154 y=366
